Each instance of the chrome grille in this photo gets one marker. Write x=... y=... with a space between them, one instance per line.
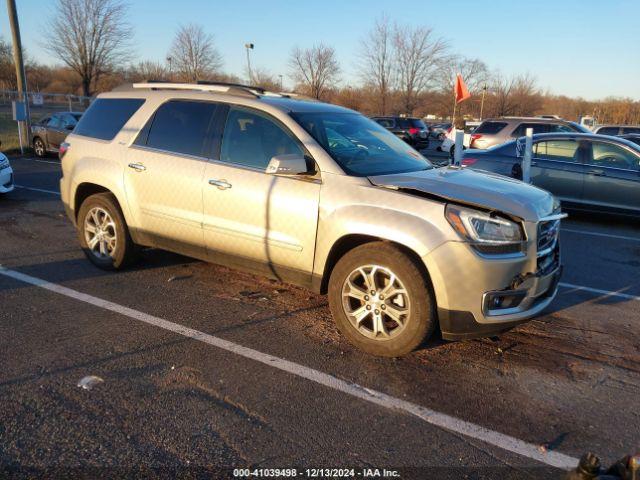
x=547 y=236
x=548 y=247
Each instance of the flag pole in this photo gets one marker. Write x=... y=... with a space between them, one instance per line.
x=453 y=117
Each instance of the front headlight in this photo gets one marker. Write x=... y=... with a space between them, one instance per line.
x=4 y=163
x=490 y=234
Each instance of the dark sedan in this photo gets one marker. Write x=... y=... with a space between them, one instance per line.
x=50 y=132
x=412 y=130
x=585 y=171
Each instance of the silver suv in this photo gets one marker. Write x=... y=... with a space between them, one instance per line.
x=500 y=130
x=316 y=195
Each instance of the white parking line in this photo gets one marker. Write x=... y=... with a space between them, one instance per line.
x=598 y=234
x=37 y=190
x=606 y=293
x=447 y=422
x=45 y=161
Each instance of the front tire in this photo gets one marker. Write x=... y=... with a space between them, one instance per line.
x=381 y=301
x=39 y=147
x=103 y=233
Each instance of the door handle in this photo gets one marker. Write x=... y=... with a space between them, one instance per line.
x=221 y=184
x=596 y=172
x=138 y=167
x=533 y=164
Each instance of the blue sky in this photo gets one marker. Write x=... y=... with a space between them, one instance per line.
x=583 y=48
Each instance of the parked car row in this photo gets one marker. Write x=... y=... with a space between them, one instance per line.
x=585 y=171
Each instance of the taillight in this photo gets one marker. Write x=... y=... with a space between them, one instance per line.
x=469 y=161
x=475 y=136
x=414 y=131
x=449 y=129
x=64 y=147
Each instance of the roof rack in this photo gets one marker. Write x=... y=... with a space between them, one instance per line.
x=208 y=86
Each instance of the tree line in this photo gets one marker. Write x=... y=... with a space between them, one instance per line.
x=401 y=69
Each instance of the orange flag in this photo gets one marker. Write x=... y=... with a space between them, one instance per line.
x=461 y=90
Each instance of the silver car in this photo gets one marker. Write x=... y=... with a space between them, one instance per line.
x=50 y=132
x=586 y=171
x=500 y=130
x=316 y=195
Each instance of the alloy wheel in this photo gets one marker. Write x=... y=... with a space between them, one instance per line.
x=376 y=302
x=100 y=233
x=39 y=148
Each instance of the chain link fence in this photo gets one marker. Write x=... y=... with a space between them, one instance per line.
x=41 y=103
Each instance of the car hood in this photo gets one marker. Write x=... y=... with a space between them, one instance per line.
x=481 y=189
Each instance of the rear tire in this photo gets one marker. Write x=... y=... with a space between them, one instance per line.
x=401 y=292
x=103 y=233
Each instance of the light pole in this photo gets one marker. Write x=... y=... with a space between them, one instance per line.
x=484 y=91
x=169 y=61
x=249 y=46
x=20 y=73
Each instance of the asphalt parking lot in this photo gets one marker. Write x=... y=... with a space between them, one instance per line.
x=204 y=367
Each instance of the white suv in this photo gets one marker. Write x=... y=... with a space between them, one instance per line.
x=316 y=195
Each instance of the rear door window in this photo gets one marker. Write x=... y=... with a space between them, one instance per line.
x=560 y=128
x=106 y=117
x=630 y=130
x=490 y=128
x=557 y=150
x=417 y=123
x=179 y=126
x=608 y=131
x=537 y=128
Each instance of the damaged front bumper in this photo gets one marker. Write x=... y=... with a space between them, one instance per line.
x=461 y=325
x=479 y=296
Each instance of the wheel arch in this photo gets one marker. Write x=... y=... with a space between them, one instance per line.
x=84 y=191
x=348 y=242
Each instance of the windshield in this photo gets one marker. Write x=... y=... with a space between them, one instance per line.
x=359 y=145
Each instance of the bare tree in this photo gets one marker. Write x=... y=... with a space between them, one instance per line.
x=376 y=65
x=194 y=54
x=475 y=75
x=418 y=54
x=316 y=68
x=264 y=79
x=148 y=70
x=7 y=71
x=515 y=95
x=90 y=36
x=474 y=72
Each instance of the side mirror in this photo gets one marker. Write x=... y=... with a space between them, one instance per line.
x=292 y=164
x=70 y=127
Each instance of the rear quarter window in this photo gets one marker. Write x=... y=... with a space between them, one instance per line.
x=490 y=128
x=106 y=117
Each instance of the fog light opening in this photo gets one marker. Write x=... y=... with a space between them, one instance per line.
x=504 y=300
